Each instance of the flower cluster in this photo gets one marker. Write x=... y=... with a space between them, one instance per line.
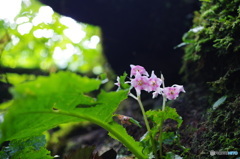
x=140 y=80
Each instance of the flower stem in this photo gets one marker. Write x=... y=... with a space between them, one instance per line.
x=162 y=121
x=161 y=129
x=148 y=127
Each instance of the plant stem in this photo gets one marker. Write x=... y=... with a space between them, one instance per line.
x=148 y=127
x=161 y=124
x=161 y=129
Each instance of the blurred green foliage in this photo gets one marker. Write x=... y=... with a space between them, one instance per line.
x=33 y=148
x=14 y=78
x=39 y=38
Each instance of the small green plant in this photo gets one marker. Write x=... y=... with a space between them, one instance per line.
x=63 y=97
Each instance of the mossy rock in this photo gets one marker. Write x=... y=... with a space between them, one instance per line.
x=213 y=44
x=212 y=60
x=223 y=133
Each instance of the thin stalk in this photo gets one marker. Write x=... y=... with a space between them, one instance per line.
x=164 y=98
x=161 y=130
x=148 y=127
x=161 y=124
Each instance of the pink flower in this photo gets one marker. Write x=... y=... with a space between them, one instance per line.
x=140 y=83
x=137 y=68
x=172 y=93
x=154 y=82
x=157 y=92
x=179 y=88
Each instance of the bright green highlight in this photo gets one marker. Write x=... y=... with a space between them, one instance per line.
x=39 y=38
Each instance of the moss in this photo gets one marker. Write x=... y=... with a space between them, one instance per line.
x=223 y=133
x=212 y=59
x=213 y=48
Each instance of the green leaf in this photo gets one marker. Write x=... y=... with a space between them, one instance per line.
x=121 y=135
x=146 y=141
x=63 y=97
x=180 y=45
x=135 y=122
x=57 y=83
x=103 y=77
x=123 y=84
x=219 y=102
x=33 y=109
x=33 y=148
x=127 y=120
x=171 y=155
x=169 y=137
x=3 y=155
x=157 y=116
x=4 y=106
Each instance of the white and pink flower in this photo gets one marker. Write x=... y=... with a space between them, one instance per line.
x=154 y=82
x=137 y=68
x=171 y=93
x=141 y=81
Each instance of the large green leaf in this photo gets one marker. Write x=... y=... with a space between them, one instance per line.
x=63 y=97
x=33 y=109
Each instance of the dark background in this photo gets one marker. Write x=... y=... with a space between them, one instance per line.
x=140 y=32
